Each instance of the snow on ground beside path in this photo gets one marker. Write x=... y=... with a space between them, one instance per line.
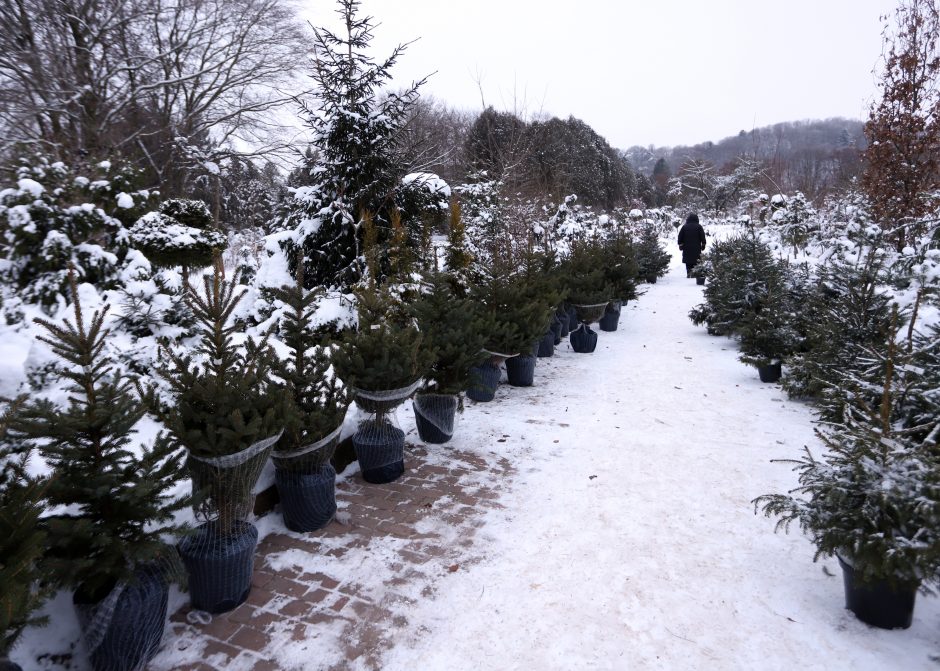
x=631 y=542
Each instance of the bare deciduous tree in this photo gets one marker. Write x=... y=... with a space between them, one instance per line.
x=140 y=78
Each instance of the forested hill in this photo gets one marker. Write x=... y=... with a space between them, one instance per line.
x=782 y=142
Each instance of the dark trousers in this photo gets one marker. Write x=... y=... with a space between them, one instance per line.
x=688 y=269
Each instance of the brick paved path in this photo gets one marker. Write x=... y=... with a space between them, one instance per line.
x=399 y=540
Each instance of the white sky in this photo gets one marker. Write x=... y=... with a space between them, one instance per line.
x=661 y=72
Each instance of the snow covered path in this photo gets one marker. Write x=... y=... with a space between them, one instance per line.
x=628 y=540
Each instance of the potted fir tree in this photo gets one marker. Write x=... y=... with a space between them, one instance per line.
x=316 y=406
x=589 y=291
x=452 y=328
x=765 y=332
x=24 y=584
x=620 y=271
x=227 y=415
x=873 y=498
x=519 y=310
x=651 y=259
x=383 y=361
x=111 y=508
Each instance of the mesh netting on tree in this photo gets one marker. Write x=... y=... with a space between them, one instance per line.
x=219 y=555
x=306 y=484
x=435 y=416
x=379 y=441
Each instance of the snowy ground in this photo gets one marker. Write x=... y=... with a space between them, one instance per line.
x=629 y=541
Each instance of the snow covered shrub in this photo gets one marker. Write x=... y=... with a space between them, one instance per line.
x=738 y=269
x=423 y=198
x=355 y=126
x=180 y=234
x=152 y=302
x=651 y=259
x=873 y=497
x=847 y=312
x=52 y=219
x=797 y=222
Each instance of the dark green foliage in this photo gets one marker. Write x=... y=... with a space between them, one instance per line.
x=847 y=312
x=651 y=259
x=386 y=351
x=452 y=327
x=224 y=399
x=180 y=234
x=116 y=504
x=316 y=401
x=355 y=126
x=767 y=332
x=621 y=266
x=738 y=269
x=584 y=273
x=874 y=496
x=518 y=306
x=23 y=586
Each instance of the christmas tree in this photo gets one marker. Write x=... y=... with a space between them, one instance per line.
x=316 y=401
x=651 y=259
x=584 y=273
x=23 y=584
x=847 y=311
x=355 y=129
x=451 y=327
x=224 y=402
x=874 y=495
x=387 y=351
x=116 y=503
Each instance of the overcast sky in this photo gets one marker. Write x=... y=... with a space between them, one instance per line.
x=661 y=72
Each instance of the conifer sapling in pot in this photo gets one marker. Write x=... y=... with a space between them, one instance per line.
x=452 y=328
x=227 y=415
x=117 y=502
x=383 y=361
x=316 y=406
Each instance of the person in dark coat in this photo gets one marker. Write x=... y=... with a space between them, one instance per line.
x=691 y=242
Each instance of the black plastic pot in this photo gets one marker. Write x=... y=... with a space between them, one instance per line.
x=651 y=279
x=521 y=370
x=556 y=331
x=308 y=500
x=769 y=373
x=133 y=631
x=484 y=379
x=380 y=449
x=219 y=566
x=546 y=345
x=877 y=603
x=433 y=417
x=611 y=317
x=700 y=280
x=7 y=665
x=583 y=340
x=562 y=318
x=573 y=321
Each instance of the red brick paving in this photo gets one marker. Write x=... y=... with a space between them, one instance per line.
x=299 y=602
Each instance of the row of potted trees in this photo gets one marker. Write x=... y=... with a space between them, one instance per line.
x=869 y=363
x=109 y=514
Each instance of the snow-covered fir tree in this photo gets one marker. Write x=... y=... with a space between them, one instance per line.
x=353 y=166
